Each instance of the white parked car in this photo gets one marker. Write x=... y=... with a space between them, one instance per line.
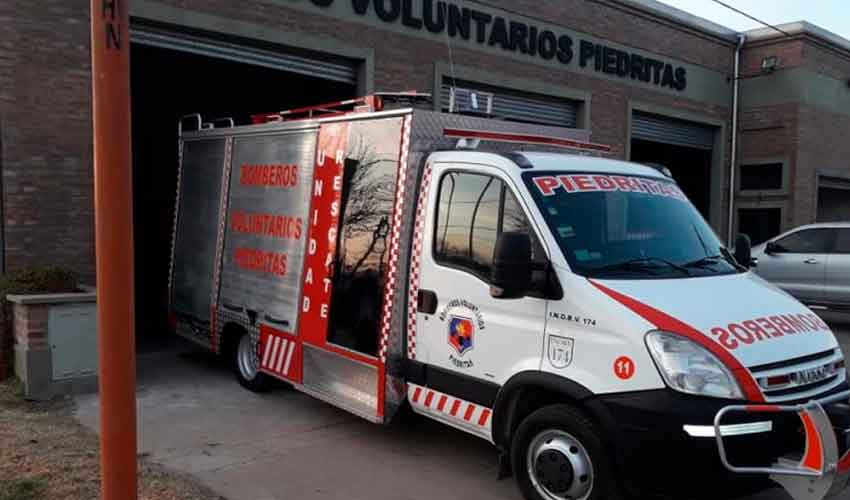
x=812 y=263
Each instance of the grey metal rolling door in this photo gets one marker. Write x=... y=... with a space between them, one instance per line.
x=672 y=131
x=519 y=106
x=336 y=69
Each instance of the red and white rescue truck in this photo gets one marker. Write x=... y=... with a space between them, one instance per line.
x=509 y=281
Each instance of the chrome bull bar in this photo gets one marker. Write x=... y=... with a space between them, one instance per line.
x=821 y=473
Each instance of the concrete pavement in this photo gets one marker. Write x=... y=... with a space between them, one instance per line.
x=194 y=418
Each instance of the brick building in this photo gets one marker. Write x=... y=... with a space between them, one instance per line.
x=655 y=83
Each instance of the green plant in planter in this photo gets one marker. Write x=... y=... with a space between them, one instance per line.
x=38 y=279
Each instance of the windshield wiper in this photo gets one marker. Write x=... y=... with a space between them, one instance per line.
x=731 y=259
x=704 y=262
x=641 y=264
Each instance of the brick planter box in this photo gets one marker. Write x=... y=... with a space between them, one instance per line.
x=55 y=343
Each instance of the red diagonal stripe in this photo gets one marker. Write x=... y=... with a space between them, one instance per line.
x=429 y=398
x=665 y=322
x=469 y=411
x=416 y=394
x=455 y=407
x=814 y=448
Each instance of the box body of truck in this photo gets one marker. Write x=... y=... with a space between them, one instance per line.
x=302 y=234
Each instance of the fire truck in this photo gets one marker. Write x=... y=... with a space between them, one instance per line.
x=511 y=281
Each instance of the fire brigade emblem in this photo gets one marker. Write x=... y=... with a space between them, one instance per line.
x=461 y=334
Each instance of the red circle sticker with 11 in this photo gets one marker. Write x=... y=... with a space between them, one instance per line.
x=624 y=368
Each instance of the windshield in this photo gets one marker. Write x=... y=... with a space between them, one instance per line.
x=627 y=227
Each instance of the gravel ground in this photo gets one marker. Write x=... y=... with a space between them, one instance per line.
x=46 y=454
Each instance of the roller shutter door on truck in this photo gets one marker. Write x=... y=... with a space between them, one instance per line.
x=199 y=204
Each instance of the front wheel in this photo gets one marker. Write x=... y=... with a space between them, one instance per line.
x=557 y=454
x=246 y=365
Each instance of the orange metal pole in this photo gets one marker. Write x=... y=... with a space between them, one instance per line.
x=110 y=29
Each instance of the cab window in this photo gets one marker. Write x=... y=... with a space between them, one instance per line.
x=807 y=241
x=473 y=209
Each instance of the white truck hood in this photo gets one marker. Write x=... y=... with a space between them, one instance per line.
x=746 y=317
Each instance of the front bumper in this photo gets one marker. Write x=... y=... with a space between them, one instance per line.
x=656 y=455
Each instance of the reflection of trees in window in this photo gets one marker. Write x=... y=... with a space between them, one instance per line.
x=365 y=209
x=468 y=221
x=366 y=205
x=513 y=218
x=473 y=210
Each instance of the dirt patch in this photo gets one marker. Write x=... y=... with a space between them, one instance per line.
x=45 y=454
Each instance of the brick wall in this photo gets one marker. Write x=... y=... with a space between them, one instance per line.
x=45 y=123
x=24 y=325
x=771 y=133
x=45 y=118
x=404 y=62
x=801 y=50
x=827 y=60
x=824 y=146
x=789 y=52
x=768 y=132
x=812 y=139
x=30 y=326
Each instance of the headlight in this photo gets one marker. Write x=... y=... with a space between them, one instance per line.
x=688 y=367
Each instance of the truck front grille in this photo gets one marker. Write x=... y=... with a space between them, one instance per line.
x=801 y=379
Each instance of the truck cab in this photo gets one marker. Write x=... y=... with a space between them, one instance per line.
x=598 y=323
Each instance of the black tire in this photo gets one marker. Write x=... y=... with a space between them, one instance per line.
x=259 y=382
x=571 y=423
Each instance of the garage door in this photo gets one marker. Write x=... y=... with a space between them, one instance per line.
x=514 y=105
x=325 y=67
x=665 y=130
x=833 y=199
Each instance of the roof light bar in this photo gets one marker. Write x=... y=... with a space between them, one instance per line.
x=561 y=142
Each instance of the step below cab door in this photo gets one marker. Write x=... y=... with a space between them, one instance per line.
x=468 y=342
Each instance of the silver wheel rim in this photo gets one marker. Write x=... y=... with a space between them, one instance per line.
x=246 y=357
x=559 y=466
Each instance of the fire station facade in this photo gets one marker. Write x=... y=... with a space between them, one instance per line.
x=655 y=83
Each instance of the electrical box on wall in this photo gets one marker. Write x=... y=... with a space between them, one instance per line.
x=72 y=332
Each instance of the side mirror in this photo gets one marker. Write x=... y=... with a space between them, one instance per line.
x=511 y=275
x=744 y=250
x=772 y=247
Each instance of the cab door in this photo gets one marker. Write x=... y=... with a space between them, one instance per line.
x=838 y=271
x=797 y=263
x=469 y=342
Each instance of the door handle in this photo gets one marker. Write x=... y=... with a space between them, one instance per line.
x=426 y=302
x=810 y=261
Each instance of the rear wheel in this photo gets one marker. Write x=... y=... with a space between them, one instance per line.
x=245 y=359
x=557 y=455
